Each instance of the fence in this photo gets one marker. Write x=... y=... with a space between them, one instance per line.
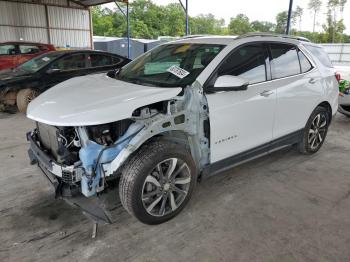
x=338 y=53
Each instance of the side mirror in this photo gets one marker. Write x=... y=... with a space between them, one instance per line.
x=112 y=73
x=53 y=70
x=229 y=83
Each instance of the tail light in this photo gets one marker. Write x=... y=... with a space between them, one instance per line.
x=338 y=76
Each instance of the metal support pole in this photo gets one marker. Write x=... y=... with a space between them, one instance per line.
x=289 y=16
x=187 y=29
x=128 y=25
x=185 y=8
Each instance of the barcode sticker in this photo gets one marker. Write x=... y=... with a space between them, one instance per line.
x=178 y=71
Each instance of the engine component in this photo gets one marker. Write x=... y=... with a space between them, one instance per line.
x=59 y=142
x=107 y=134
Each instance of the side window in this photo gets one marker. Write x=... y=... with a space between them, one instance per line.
x=8 y=50
x=116 y=60
x=304 y=62
x=29 y=49
x=43 y=48
x=285 y=61
x=100 y=60
x=247 y=62
x=320 y=54
x=70 y=62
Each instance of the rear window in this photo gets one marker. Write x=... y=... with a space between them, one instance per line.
x=29 y=49
x=320 y=54
x=285 y=61
x=304 y=62
x=8 y=50
x=100 y=60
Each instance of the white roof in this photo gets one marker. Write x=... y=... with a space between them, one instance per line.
x=220 y=40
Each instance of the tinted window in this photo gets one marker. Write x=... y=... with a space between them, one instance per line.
x=70 y=62
x=8 y=50
x=29 y=49
x=285 y=61
x=304 y=62
x=320 y=54
x=100 y=60
x=247 y=62
x=35 y=64
x=116 y=60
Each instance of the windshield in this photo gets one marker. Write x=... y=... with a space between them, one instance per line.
x=37 y=63
x=170 y=65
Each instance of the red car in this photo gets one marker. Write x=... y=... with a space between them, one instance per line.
x=15 y=53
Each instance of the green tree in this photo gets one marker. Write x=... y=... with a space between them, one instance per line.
x=281 y=22
x=104 y=22
x=262 y=26
x=335 y=27
x=174 y=20
x=315 y=7
x=206 y=24
x=149 y=20
x=240 y=25
x=297 y=14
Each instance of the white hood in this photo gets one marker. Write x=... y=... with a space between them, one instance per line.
x=94 y=100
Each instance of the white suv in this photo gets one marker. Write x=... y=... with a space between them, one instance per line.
x=181 y=111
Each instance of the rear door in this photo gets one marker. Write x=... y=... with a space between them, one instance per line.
x=297 y=85
x=64 y=68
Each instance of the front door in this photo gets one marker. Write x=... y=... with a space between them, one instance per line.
x=242 y=120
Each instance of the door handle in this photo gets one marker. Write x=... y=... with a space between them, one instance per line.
x=312 y=81
x=266 y=93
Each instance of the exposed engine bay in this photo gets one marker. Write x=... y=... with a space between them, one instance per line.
x=100 y=150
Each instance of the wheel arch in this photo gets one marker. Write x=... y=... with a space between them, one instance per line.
x=328 y=107
x=175 y=136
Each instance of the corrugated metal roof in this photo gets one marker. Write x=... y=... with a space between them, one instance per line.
x=98 y=2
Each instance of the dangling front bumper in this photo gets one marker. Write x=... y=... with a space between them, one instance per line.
x=66 y=181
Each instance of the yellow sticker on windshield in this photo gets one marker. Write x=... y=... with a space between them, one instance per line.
x=182 y=49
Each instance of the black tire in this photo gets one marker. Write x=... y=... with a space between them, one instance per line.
x=24 y=97
x=307 y=144
x=141 y=166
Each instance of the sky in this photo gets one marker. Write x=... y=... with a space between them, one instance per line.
x=264 y=10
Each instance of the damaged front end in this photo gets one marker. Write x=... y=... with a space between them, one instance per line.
x=79 y=161
x=72 y=157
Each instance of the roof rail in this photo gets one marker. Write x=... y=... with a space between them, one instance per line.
x=300 y=38
x=191 y=36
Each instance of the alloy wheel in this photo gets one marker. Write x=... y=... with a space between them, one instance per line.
x=317 y=131
x=166 y=187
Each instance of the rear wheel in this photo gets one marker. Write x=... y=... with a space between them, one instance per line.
x=315 y=131
x=157 y=182
x=24 y=97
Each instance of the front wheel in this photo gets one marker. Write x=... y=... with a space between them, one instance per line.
x=24 y=97
x=315 y=131
x=158 y=181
